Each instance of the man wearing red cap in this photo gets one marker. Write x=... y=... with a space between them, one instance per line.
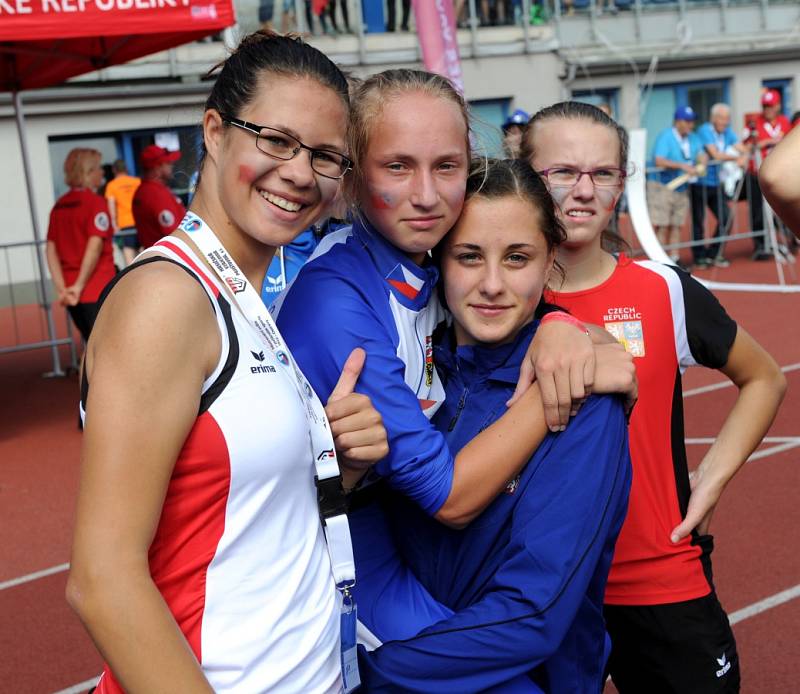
x=156 y=210
x=770 y=126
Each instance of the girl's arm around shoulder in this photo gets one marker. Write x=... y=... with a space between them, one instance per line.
x=323 y=318
x=569 y=509
x=154 y=343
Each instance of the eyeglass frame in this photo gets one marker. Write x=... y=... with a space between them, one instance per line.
x=623 y=175
x=256 y=130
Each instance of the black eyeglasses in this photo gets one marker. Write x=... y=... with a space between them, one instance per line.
x=280 y=145
x=565 y=176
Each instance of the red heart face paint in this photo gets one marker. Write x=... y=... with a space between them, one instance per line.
x=246 y=174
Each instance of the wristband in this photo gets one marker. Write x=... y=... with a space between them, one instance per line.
x=564 y=317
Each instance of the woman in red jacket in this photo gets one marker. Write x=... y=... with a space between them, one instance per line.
x=79 y=252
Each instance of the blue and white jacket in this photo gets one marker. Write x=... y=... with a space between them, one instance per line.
x=357 y=290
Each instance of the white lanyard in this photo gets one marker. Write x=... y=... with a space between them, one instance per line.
x=249 y=304
x=683 y=143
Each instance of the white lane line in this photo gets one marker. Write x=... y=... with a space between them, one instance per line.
x=772 y=451
x=764 y=605
x=766 y=439
x=726 y=384
x=785 y=443
x=35 y=575
x=82 y=687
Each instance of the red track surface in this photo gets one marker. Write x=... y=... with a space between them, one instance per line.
x=43 y=647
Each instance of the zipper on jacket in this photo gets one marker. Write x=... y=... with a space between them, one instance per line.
x=459 y=407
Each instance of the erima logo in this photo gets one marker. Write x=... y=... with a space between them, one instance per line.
x=326 y=455
x=275 y=284
x=725 y=665
x=261 y=368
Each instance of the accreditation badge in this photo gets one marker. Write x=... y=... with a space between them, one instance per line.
x=349 y=619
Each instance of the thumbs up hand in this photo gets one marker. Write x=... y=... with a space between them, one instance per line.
x=357 y=427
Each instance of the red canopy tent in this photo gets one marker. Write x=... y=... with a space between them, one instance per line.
x=45 y=42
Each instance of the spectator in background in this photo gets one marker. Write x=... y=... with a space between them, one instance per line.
x=331 y=8
x=156 y=210
x=512 y=132
x=768 y=129
x=119 y=195
x=722 y=145
x=772 y=125
x=675 y=152
x=266 y=13
x=391 y=14
x=79 y=253
x=494 y=12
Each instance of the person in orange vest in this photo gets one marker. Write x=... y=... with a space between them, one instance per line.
x=119 y=195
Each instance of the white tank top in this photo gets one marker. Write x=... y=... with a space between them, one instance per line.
x=239 y=554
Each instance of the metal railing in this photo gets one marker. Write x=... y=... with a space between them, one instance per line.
x=770 y=236
x=25 y=302
x=341 y=13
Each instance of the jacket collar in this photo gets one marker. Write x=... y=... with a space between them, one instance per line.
x=480 y=362
x=410 y=284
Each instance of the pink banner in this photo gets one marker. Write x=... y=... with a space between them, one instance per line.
x=436 y=28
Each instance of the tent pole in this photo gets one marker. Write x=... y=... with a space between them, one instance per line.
x=26 y=166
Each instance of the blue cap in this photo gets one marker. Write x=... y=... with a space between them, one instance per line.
x=519 y=117
x=685 y=113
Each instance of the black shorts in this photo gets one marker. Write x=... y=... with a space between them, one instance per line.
x=678 y=648
x=84 y=315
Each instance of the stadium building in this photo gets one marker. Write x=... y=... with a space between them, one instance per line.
x=643 y=58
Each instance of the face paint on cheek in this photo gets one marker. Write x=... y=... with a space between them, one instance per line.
x=382 y=201
x=607 y=197
x=246 y=174
x=559 y=194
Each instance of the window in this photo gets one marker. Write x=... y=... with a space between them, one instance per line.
x=488 y=116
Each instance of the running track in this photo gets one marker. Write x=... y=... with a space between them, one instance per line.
x=44 y=649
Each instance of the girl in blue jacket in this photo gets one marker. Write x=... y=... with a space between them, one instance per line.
x=526 y=578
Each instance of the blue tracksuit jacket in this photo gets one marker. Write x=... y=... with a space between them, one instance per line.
x=527 y=577
x=357 y=290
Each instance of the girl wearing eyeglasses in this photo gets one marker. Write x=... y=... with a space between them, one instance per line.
x=199 y=562
x=668 y=630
